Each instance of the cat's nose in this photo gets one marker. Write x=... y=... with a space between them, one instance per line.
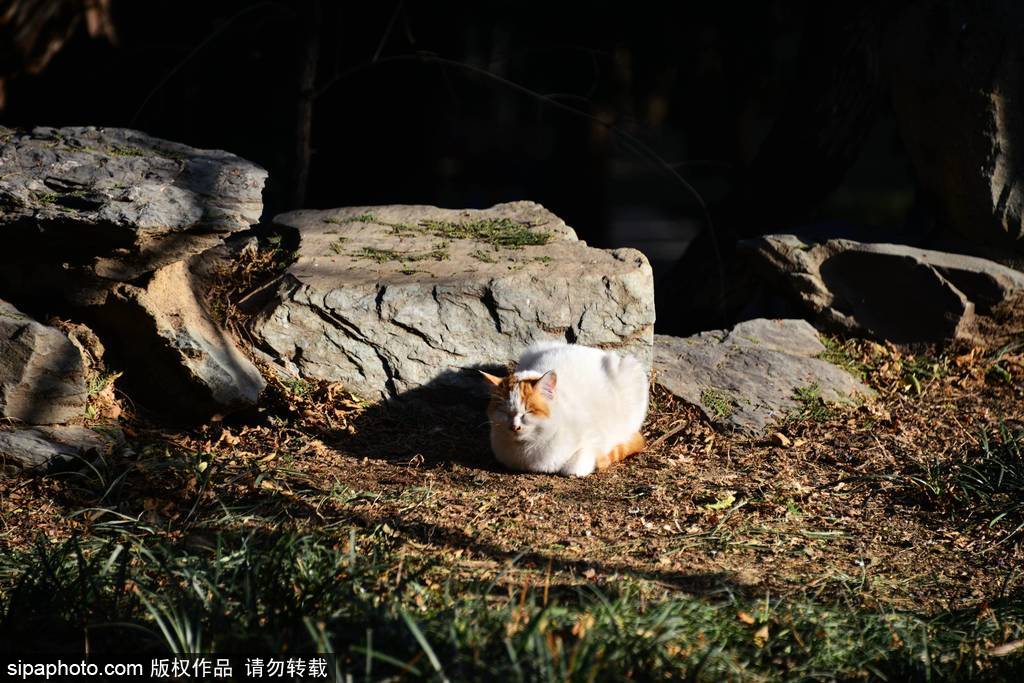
x=516 y=428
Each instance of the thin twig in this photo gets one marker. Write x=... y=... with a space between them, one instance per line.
x=387 y=31
x=680 y=426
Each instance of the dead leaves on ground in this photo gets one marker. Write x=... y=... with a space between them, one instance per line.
x=795 y=510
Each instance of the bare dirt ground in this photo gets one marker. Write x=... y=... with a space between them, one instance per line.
x=864 y=504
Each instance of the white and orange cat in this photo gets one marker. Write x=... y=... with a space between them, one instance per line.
x=567 y=409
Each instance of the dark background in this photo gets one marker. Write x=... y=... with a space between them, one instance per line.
x=638 y=123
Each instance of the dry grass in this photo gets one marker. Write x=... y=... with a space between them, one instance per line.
x=831 y=508
x=844 y=517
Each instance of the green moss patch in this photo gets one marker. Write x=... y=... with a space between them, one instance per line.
x=717 y=403
x=499 y=232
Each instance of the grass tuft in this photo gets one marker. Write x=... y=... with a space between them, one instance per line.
x=100 y=381
x=920 y=369
x=843 y=354
x=717 y=403
x=378 y=255
x=337 y=246
x=45 y=198
x=123 y=151
x=439 y=252
x=385 y=617
x=811 y=405
x=498 y=232
x=481 y=255
x=987 y=485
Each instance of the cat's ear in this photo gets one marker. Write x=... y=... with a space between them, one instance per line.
x=495 y=381
x=546 y=384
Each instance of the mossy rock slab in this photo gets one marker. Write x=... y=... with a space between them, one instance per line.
x=391 y=300
x=84 y=207
x=753 y=375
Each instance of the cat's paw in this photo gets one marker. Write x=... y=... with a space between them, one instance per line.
x=577 y=467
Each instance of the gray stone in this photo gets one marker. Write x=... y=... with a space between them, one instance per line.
x=47 y=448
x=888 y=291
x=86 y=206
x=42 y=374
x=747 y=378
x=389 y=299
x=183 y=362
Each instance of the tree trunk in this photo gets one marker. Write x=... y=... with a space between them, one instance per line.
x=308 y=49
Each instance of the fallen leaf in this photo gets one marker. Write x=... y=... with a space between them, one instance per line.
x=745 y=618
x=227 y=437
x=761 y=636
x=781 y=440
x=1006 y=648
x=723 y=502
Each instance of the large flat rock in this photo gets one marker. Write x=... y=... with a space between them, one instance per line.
x=388 y=299
x=111 y=204
x=747 y=378
x=42 y=374
x=888 y=291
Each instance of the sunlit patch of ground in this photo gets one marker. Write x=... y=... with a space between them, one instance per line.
x=909 y=504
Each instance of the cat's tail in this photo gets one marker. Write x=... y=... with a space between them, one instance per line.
x=620 y=452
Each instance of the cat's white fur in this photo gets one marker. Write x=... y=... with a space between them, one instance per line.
x=599 y=400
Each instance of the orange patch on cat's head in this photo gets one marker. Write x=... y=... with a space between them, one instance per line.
x=532 y=395
x=533 y=398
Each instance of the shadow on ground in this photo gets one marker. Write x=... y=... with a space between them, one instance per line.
x=443 y=421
